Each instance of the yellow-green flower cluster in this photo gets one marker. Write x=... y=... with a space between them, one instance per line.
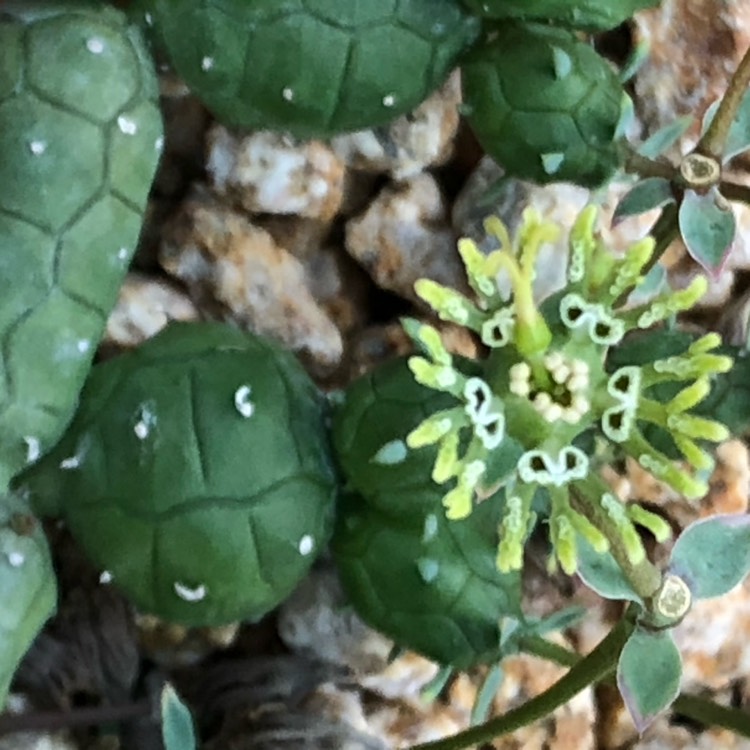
x=545 y=384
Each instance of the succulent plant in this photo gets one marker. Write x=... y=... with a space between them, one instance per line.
x=196 y=474
x=592 y=15
x=544 y=104
x=429 y=584
x=312 y=68
x=80 y=136
x=27 y=585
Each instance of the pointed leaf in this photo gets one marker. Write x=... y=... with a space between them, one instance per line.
x=652 y=192
x=560 y=620
x=177 y=724
x=432 y=690
x=713 y=555
x=738 y=138
x=635 y=60
x=654 y=282
x=601 y=573
x=664 y=138
x=480 y=711
x=708 y=226
x=648 y=675
x=627 y=117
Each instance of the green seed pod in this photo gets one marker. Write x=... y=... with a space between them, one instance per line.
x=196 y=473
x=544 y=104
x=589 y=15
x=428 y=583
x=27 y=586
x=313 y=68
x=80 y=136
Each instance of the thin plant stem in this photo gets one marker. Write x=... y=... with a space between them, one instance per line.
x=693 y=707
x=711 y=714
x=734 y=192
x=714 y=139
x=636 y=163
x=588 y=671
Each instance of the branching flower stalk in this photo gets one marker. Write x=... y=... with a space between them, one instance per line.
x=545 y=386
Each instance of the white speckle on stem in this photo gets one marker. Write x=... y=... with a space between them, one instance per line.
x=16 y=559
x=37 y=147
x=306 y=545
x=207 y=63
x=122 y=253
x=190 y=594
x=242 y=401
x=389 y=100
x=146 y=421
x=105 y=577
x=83 y=345
x=95 y=46
x=72 y=462
x=159 y=144
x=288 y=93
x=149 y=19
x=126 y=125
x=33 y=448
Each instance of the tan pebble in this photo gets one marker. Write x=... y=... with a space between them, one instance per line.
x=411 y=143
x=403 y=236
x=225 y=259
x=268 y=172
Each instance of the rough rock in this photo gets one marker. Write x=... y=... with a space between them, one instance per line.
x=223 y=258
x=404 y=236
x=145 y=305
x=267 y=172
x=695 y=46
x=411 y=143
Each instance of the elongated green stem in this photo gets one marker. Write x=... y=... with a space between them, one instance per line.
x=536 y=645
x=636 y=163
x=711 y=714
x=734 y=192
x=703 y=710
x=589 y=670
x=714 y=139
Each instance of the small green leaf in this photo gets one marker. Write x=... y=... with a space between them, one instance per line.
x=431 y=691
x=648 y=675
x=708 y=226
x=738 y=138
x=176 y=722
x=654 y=282
x=713 y=555
x=665 y=137
x=627 y=117
x=652 y=192
x=601 y=573
x=480 y=711
x=635 y=60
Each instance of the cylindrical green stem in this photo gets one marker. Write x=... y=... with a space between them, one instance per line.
x=734 y=192
x=711 y=714
x=714 y=139
x=704 y=711
x=589 y=670
x=636 y=163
